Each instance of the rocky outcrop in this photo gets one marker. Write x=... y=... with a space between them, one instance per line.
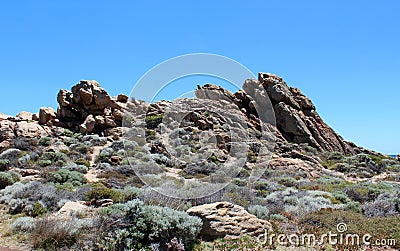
x=294 y=115
x=15 y=130
x=89 y=107
x=226 y=220
x=297 y=119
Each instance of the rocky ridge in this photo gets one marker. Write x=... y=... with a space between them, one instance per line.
x=296 y=118
x=84 y=139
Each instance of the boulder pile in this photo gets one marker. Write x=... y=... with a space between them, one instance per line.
x=89 y=107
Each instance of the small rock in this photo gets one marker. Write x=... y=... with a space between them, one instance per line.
x=88 y=125
x=70 y=208
x=122 y=98
x=115 y=159
x=35 y=116
x=28 y=172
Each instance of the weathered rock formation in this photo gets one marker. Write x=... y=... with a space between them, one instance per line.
x=226 y=220
x=294 y=114
x=18 y=131
x=89 y=107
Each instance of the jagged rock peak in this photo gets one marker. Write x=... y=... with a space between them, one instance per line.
x=296 y=118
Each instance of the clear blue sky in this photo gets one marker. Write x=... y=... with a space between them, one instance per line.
x=345 y=55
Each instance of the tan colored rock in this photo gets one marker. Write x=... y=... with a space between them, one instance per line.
x=28 y=172
x=71 y=208
x=226 y=220
x=29 y=130
x=4 y=116
x=109 y=121
x=88 y=125
x=294 y=165
x=24 y=116
x=64 y=98
x=58 y=146
x=118 y=115
x=6 y=130
x=46 y=114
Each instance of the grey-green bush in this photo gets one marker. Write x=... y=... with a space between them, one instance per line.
x=138 y=225
x=21 y=197
x=387 y=204
x=23 y=224
x=45 y=141
x=260 y=211
x=65 y=176
x=8 y=178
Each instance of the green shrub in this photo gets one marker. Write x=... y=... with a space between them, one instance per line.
x=44 y=162
x=153 y=121
x=287 y=181
x=137 y=226
x=241 y=244
x=335 y=156
x=74 y=167
x=387 y=204
x=65 y=176
x=365 y=192
x=130 y=193
x=100 y=191
x=54 y=156
x=8 y=178
x=45 y=141
x=82 y=148
x=68 y=133
x=354 y=206
x=4 y=164
x=70 y=140
x=38 y=210
x=151 y=134
x=82 y=161
x=278 y=217
x=322 y=222
x=328 y=163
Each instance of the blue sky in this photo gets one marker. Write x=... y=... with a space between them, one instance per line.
x=345 y=55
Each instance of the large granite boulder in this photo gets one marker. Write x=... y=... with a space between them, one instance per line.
x=226 y=220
